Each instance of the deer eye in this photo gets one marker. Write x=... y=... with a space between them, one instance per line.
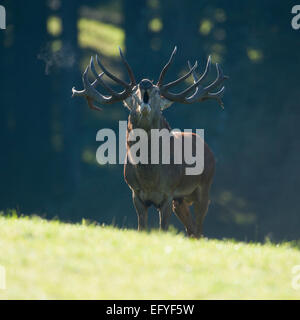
x=146 y=97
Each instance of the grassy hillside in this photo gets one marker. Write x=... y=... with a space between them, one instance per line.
x=52 y=260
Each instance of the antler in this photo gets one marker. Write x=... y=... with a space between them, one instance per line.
x=90 y=92
x=201 y=93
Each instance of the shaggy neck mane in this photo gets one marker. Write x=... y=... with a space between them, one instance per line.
x=162 y=124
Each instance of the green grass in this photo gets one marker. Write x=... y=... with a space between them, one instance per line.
x=53 y=260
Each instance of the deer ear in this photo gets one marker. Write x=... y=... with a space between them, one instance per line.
x=126 y=104
x=164 y=104
x=131 y=102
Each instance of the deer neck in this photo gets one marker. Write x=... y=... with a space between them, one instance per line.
x=147 y=173
x=158 y=122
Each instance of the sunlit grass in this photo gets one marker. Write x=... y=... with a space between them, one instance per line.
x=45 y=260
x=102 y=37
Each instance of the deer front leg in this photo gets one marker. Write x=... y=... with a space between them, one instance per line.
x=142 y=212
x=165 y=212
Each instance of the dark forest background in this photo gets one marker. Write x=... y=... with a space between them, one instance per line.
x=48 y=140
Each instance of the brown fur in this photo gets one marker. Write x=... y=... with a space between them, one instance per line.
x=167 y=187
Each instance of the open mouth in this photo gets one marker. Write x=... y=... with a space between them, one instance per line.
x=146 y=97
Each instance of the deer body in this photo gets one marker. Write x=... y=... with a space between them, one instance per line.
x=166 y=186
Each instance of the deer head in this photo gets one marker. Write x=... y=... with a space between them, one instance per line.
x=146 y=100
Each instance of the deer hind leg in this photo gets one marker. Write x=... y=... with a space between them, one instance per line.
x=200 y=208
x=182 y=211
x=142 y=212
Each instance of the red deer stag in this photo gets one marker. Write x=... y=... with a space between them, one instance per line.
x=166 y=186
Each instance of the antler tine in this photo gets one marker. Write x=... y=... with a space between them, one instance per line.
x=180 y=97
x=165 y=68
x=129 y=70
x=110 y=75
x=205 y=73
x=173 y=83
x=195 y=78
x=82 y=93
x=77 y=93
x=91 y=94
x=201 y=93
x=218 y=96
x=204 y=94
x=100 y=81
x=115 y=96
x=219 y=79
x=198 y=81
